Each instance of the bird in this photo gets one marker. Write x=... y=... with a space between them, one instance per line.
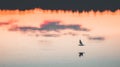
x=80 y=43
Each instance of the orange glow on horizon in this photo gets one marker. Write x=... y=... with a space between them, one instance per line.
x=96 y=21
x=38 y=10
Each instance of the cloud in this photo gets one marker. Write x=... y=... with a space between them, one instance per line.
x=70 y=33
x=96 y=38
x=4 y=23
x=7 y=22
x=50 y=26
x=55 y=26
x=24 y=28
x=51 y=35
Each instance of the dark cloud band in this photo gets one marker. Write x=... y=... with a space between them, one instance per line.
x=51 y=26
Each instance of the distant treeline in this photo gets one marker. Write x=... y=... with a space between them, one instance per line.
x=74 y=5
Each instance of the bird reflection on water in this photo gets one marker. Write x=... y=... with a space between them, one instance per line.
x=81 y=54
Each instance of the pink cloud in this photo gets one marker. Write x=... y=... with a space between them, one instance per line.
x=7 y=22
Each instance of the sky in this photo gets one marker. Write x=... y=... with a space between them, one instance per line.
x=46 y=33
x=50 y=38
